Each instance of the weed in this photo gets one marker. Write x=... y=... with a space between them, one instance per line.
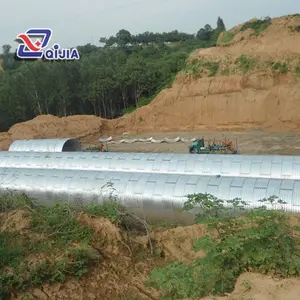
x=59 y=222
x=295 y=28
x=164 y=224
x=258 y=25
x=247 y=285
x=258 y=240
x=197 y=67
x=109 y=209
x=226 y=37
x=225 y=72
x=297 y=70
x=49 y=270
x=45 y=251
x=11 y=248
x=246 y=64
x=10 y=202
x=282 y=68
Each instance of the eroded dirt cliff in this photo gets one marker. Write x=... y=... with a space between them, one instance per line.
x=251 y=80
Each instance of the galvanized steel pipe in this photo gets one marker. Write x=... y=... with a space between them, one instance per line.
x=153 y=191
x=253 y=166
x=46 y=145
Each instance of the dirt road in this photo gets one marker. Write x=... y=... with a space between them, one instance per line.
x=249 y=142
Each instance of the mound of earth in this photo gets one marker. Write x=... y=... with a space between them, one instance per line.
x=252 y=78
x=49 y=126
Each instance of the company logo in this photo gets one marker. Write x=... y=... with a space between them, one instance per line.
x=29 y=49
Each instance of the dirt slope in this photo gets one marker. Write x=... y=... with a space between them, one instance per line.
x=256 y=84
x=251 y=79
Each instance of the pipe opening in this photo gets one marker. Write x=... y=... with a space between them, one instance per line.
x=71 y=145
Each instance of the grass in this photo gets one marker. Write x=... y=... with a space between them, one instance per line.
x=246 y=64
x=281 y=67
x=197 y=68
x=258 y=26
x=225 y=72
x=226 y=38
x=297 y=70
x=54 y=247
x=258 y=240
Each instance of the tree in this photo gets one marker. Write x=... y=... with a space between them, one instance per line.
x=220 y=28
x=220 y=25
x=123 y=37
x=125 y=73
x=6 y=49
x=7 y=62
x=103 y=40
x=205 y=33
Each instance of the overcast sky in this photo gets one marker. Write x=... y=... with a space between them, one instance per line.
x=77 y=22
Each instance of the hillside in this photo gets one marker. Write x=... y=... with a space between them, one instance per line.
x=251 y=79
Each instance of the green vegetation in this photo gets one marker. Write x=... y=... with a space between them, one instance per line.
x=246 y=64
x=282 y=67
x=258 y=240
x=258 y=25
x=226 y=38
x=198 y=67
x=225 y=72
x=49 y=244
x=297 y=70
x=295 y=28
x=278 y=67
x=52 y=246
x=126 y=72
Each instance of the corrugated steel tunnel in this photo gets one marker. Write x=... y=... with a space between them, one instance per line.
x=46 y=145
x=53 y=169
x=255 y=166
x=135 y=189
x=159 y=181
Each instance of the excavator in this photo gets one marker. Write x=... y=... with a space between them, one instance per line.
x=214 y=147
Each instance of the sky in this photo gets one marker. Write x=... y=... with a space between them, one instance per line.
x=78 y=22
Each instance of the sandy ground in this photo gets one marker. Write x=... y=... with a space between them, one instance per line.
x=254 y=141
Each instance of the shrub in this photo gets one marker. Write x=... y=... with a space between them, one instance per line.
x=226 y=37
x=258 y=240
x=61 y=244
x=246 y=64
x=197 y=67
x=282 y=67
x=258 y=25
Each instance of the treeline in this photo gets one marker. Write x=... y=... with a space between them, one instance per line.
x=107 y=81
x=125 y=38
